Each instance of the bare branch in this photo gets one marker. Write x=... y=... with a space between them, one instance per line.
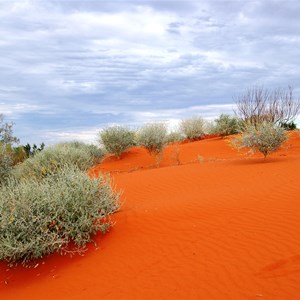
x=259 y=104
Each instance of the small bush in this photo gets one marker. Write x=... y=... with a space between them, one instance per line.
x=41 y=217
x=264 y=137
x=193 y=128
x=117 y=139
x=227 y=125
x=153 y=137
x=174 y=137
x=52 y=159
x=6 y=164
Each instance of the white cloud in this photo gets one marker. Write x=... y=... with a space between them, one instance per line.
x=84 y=64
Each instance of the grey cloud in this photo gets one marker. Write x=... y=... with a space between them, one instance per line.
x=84 y=64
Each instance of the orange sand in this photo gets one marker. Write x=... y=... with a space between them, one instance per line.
x=209 y=224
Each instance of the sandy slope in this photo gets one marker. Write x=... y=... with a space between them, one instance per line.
x=218 y=226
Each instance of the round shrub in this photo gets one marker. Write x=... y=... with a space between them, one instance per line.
x=175 y=136
x=193 y=128
x=41 y=217
x=53 y=158
x=227 y=125
x=153 y=137
x=264 y=137
x=117 y=139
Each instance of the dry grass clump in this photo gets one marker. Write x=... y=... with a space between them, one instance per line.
x=39 y=217
x=193 y=128
x=53 y=158
x=117 y=139
x=227 y=125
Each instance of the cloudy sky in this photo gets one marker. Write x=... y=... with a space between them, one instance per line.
x=72 y=67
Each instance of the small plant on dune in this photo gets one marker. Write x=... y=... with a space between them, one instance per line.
x=153 y=137
x=117 y=139
x=176 y=154
x=227 y=125
x=41 y=217
x=193 y=128
x=264 y=137
x=175 y=136
x=52 y=159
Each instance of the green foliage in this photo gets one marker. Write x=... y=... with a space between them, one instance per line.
x=289 y=125
x=174 y=137
x=193 y=128
x=153 y=137
x=117 y=139
x=53 y=158
x=6 y=164
x=264 y=137
x=227 y=125
x=30 y=151
x=39 y=217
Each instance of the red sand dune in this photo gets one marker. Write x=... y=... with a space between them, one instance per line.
x=211 y=224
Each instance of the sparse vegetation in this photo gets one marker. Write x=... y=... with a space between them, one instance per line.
x=175 y=136
x=289 y=125
x=227 y=125
x=39 y=217
x=52 y=159
x=153 y=137
x=30 y=151
x=264 y=137
x=193 y=128
x=259 y=104
x=6 y=164
x=117 y=139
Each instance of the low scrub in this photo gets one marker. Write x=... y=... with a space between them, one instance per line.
x=117 y=139
x=193 y=128
x=39 y=217
x=153 y=137
x=264 y=138
x=227 y=125
x=52 y=159
x=175 y=136
x=6 y=164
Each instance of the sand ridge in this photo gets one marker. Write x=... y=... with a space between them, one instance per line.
x=212 y=225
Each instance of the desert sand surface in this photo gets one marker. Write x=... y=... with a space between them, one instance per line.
x=209 y=223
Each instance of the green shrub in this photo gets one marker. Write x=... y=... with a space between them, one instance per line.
x=53 y=158
x=6 y=164
x=289 y=125
x=175 y=136
x=227 y=125
x=30 y=151
x=193 y=128
x=117 y=139
x=96 y=154
x=264 y=137
x=153 y=137
x=41 y=217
